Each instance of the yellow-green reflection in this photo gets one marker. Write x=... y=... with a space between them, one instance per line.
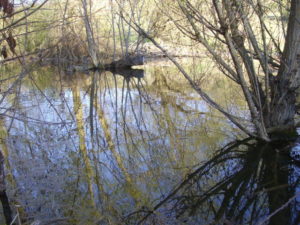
x=137 y=137
x=9 y=176
x=5 y=151
x=78 y=111
x=130 y=186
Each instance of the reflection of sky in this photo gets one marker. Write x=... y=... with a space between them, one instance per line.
x=154 y=143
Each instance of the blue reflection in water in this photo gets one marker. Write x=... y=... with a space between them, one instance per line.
x=146 y=138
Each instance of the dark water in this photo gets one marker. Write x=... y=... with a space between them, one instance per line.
x=137 y=147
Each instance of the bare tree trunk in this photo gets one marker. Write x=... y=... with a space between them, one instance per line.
x=283 y=97
x=92 y=46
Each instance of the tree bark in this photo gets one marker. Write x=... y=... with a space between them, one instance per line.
x=92 y=46
x=283 y=95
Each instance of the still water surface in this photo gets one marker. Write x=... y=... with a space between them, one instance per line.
x=104 y=148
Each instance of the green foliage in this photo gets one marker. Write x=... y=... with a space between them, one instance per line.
x=38 y=33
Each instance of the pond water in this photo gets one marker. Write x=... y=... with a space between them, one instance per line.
x=137 y=147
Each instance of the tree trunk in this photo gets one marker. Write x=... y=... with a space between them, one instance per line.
x=92 y=46
x=282 y=107
x=284 y=85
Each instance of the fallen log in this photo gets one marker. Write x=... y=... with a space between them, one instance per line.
x=127 y=62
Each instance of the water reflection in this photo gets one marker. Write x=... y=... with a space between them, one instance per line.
x=247 y=182
x=88 y=149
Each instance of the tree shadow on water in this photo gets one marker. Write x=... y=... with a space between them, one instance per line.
x=246 y=182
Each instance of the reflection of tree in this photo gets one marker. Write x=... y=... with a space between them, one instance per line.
x=242 y=184
x=82 y=137
x=140 y=123
x=4 y=149
x=3 y=196
x=135 y=139
x=179 y=114
x=104 y=122
x=167 y=121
